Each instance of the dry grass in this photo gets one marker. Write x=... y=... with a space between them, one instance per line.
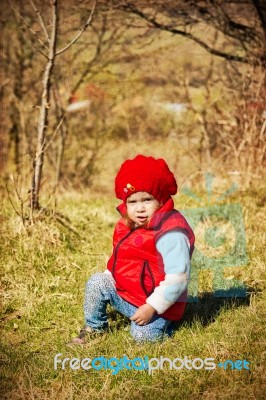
x=44 y=269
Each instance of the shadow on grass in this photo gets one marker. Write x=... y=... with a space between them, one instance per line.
x=204 y=309
x=208 y=306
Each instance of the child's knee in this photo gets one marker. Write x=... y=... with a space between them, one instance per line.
x=145 y=334
x=98 y=281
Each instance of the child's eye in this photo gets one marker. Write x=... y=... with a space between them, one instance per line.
x=131 y=201
x=148 y=199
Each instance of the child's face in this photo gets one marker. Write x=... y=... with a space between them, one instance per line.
x=141 y=206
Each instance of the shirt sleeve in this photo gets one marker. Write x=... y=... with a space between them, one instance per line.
x=174 y=248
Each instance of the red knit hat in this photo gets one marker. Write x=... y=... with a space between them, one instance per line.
x=145 y=174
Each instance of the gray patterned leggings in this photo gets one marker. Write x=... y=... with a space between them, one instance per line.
x=100 y=290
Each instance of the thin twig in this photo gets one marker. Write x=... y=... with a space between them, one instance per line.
x=40 y=20
x=31 y=30
x=11 y=202
x=21 y=202
x=80 y=32
x=55 y=132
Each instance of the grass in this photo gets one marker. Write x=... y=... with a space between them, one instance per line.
x=44 y=270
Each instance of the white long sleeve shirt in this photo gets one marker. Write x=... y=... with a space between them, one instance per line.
x=174 y=248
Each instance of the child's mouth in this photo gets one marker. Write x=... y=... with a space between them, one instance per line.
x=142 y=219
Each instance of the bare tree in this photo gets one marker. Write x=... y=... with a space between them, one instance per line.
x=44 y=108
x=48 y=49
x=69 y=76
x=241 y=24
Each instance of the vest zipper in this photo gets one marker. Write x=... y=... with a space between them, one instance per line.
x=142 y=275
x=116 y=250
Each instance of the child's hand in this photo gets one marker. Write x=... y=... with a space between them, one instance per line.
x=143 y=315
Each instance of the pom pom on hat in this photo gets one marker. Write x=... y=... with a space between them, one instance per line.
x=145 y=174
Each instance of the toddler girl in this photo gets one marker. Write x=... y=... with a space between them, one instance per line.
x=147 y=275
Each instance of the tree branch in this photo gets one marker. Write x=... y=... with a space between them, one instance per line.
x=40 y=20
x=54 y=133
x=189 y=35
x=31 y=30
x=80 y=32
x=222 y=21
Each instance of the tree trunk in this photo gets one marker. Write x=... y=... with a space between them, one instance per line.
x=60 y=155
x=43 y=116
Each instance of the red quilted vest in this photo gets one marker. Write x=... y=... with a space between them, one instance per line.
x=137 y=266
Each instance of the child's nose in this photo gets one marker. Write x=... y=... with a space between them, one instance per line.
x=140 y=206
